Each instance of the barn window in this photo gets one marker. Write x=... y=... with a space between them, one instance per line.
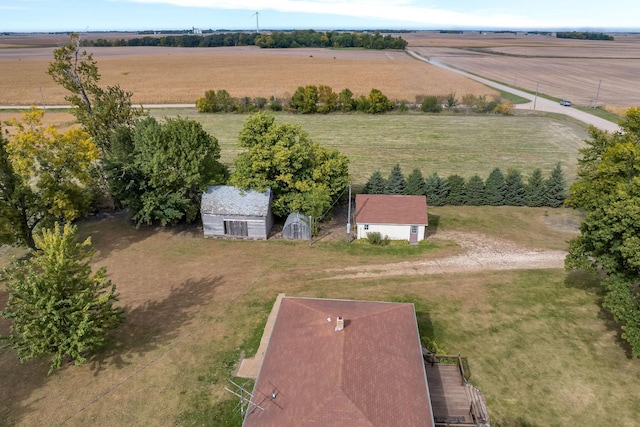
x=366 y=227
x=236 y=228
x=414 y=229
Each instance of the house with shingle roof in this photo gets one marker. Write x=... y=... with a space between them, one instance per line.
x=342 y=363
x=231 y=212
x=396 y=216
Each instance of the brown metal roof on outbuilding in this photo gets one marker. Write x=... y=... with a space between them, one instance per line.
x=369 y=374
x=391 y=209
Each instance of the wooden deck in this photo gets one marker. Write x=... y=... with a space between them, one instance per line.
x=449 y=397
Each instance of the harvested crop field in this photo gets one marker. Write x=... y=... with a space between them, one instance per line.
x=584 y=71
x=182 y=75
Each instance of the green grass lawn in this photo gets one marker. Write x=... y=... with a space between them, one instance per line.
x=536 y=342
x=446 y=144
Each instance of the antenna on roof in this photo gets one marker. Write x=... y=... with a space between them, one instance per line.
x=246 y=398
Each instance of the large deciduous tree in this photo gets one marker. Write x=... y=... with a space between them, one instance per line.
x=301 y=173
x=161 y=169
x=608 y=189
x=20 y=211
x=98 y=110
x=46 y=176
x=56 y=305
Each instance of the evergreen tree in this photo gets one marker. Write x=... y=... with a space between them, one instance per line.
x=535 y=190
x=436 y=190
x=494 y=188
x=514 y=190
x=555 y=188
x=475 y=191
x=396 y=184
x=457 y=196
x=415 y=183
x=375 y=184
x=57 y=306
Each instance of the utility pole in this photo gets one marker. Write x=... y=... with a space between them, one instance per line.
x=597 y=94
x=536 y=97
x=349 y=216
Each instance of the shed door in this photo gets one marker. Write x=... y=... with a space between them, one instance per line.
x=295 y=231
x=236 y=228
x=413 y=237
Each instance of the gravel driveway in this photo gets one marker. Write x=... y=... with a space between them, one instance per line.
x=482 y=253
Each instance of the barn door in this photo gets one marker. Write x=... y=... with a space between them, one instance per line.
x=413 y=236
x=236 y=228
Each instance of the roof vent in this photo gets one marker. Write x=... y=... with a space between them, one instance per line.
x=339 y=323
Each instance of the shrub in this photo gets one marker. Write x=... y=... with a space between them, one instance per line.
x=431 y=104
x=375 y=238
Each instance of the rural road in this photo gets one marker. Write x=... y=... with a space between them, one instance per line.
x=537 y=103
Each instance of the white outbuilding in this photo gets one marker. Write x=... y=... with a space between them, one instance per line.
x=394 y=216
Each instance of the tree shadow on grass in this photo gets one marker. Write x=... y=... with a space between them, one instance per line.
x=590 y=282
x=146 y=328
x=17 y=380
x=154 y=323
x=116 y=231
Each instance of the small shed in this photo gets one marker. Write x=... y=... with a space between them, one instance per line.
x=297 y=226
x=396 y=216
x=231 y=212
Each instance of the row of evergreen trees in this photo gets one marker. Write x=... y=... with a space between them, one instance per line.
x=497 y=190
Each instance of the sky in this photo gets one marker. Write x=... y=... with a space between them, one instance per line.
x=139 y=15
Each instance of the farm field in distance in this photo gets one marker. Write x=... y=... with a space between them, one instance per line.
x=584 y=71
x=179 y=75
x=537 y=342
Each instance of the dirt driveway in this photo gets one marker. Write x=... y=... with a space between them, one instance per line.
x=481 y=253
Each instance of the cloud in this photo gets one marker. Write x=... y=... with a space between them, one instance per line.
x=408 y=11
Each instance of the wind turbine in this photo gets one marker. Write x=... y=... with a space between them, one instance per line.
x=257 y=26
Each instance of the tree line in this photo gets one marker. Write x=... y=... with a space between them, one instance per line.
x=276 y=39
x=497 y=190
x=322 y=99
x=583 y=35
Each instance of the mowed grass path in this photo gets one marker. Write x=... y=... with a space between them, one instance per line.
x=537 y=343
x=446 y=144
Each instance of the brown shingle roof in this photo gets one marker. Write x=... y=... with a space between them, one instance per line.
x=369 y=374
x=391 y=209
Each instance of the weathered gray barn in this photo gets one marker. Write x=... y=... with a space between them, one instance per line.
x=231 y=212
x=297 y=226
